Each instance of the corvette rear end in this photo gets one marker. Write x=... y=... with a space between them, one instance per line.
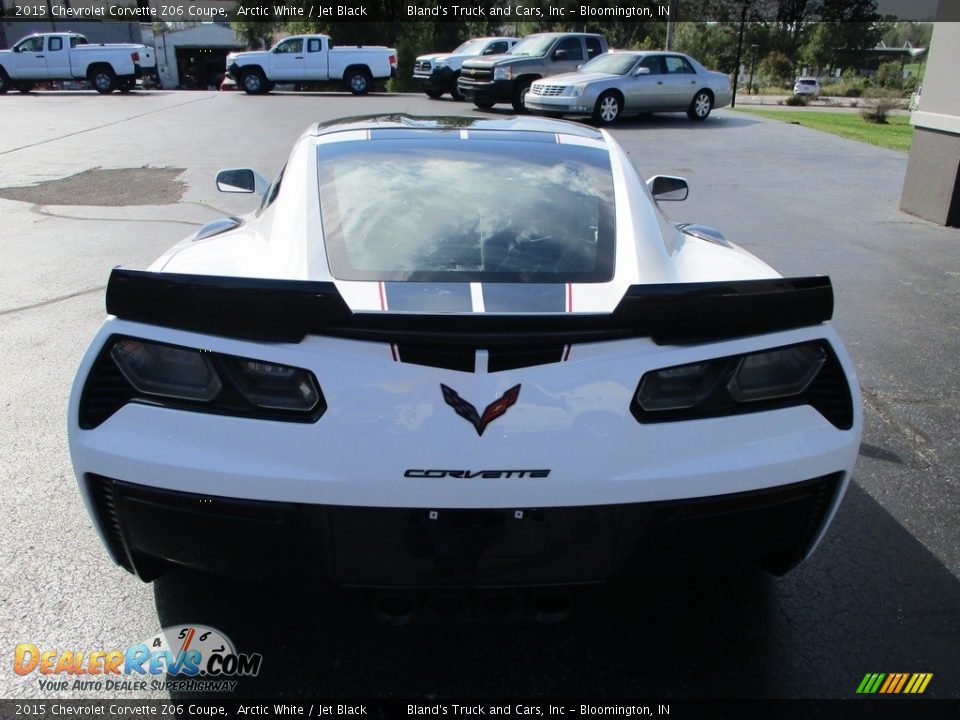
x=546 y=383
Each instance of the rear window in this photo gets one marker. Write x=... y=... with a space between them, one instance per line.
x=807 y=82
x=498 y=207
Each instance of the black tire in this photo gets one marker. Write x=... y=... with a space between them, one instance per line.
x=358 y=81
x=253 y=82
x=700 y=106
x=483 y=104
x=103 y=80
x=433 y=93
x=608 y=109
x=454 y=90
x=4 y=82
x=24 y=87
x=127 y=85
x=519 y=93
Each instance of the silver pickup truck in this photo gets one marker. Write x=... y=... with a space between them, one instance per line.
x=486 y=81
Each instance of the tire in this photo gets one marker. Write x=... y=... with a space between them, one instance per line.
x=608 y=108
x=434 y=94
x=358 y=81
x=103 y=80
x=24 y=87
x=700 y=106
x=519 y=93
x=127 y=85
x=454 y=90
x=4 y=82
x=483 y=104
x=253 y=82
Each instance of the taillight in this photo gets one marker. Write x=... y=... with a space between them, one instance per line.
x=393 y=60
x=135 y=56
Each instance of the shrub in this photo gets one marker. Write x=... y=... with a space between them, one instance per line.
x=877 y=106
x=796 y=101
x=853 y=92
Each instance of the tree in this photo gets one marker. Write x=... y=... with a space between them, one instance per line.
x=777 y=67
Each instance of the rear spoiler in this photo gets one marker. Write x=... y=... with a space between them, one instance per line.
x=289 y=310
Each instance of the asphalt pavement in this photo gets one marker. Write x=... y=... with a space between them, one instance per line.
x=880 y=595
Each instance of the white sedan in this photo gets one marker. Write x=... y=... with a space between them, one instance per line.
x=631 y=82
x=539 y=384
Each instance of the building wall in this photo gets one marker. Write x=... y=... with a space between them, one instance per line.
x=204 y=36
x=931 y=189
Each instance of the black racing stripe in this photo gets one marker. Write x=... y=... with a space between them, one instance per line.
x=428 y=297
x=525 y=297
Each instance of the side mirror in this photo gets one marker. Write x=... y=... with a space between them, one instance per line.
x=642 y=71
x=668 y=187
x=242 y=180
x=559 y=55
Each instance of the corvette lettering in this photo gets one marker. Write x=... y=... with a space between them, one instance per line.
x=486 y=474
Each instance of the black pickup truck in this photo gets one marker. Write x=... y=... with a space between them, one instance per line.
x=486 y=81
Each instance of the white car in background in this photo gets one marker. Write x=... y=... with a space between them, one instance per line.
x=806 y=87
x=540 y=384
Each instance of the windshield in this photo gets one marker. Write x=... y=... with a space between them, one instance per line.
x=612 y=63
x=442 y=209
x=470 y=47
x=533 y=46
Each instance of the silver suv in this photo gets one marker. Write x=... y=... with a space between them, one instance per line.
x=806 y=87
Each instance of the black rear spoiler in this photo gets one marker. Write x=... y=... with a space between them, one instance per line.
x=289 y=310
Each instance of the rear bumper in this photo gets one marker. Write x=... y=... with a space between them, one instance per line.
x=148 y=529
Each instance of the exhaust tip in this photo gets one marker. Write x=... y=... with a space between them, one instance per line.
x=552 y=607
x=395 y=609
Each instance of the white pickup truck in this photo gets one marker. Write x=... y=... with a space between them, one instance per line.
x=69 y=56
x=311 y=59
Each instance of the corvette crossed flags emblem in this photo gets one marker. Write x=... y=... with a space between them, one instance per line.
x=469 y=412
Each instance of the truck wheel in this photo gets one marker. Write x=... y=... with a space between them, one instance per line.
x=483 y=104
x=519 y=94
x=454 y=90
x=253 y=82
x=103 y=80
x=433 y=93
x=4 y=82
x=608 y=108
x=127 y=85
x=359 y=81
x=25 y=87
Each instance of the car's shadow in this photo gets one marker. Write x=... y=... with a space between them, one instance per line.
x=657 y=121
x=872 y=599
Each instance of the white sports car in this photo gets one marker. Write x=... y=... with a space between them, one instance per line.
x=540 y=384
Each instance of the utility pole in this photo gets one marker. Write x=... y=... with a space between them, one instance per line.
x=671 y=13
x=736 y=73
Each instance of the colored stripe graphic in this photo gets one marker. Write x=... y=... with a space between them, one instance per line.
x=894 y=683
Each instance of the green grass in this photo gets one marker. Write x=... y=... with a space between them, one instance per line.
x=897 y=134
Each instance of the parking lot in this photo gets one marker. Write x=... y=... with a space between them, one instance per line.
x=882 y=594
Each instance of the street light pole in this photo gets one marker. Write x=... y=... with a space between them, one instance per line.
x=753 y=61
x=736 y=73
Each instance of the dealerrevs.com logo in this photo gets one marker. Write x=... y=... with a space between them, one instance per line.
x=181 y=657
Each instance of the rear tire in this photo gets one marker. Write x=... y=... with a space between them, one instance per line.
x=700 y=106
x=253 y=82
x=127 y=85
x=359 y=82
x=4 y=82
x=434 y=94
x=454 y=90
x=103 y=80
x=483 y=104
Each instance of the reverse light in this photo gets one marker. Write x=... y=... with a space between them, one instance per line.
x=776 y=374
x=275 y=387
x=678 y=387
x=175 y=372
